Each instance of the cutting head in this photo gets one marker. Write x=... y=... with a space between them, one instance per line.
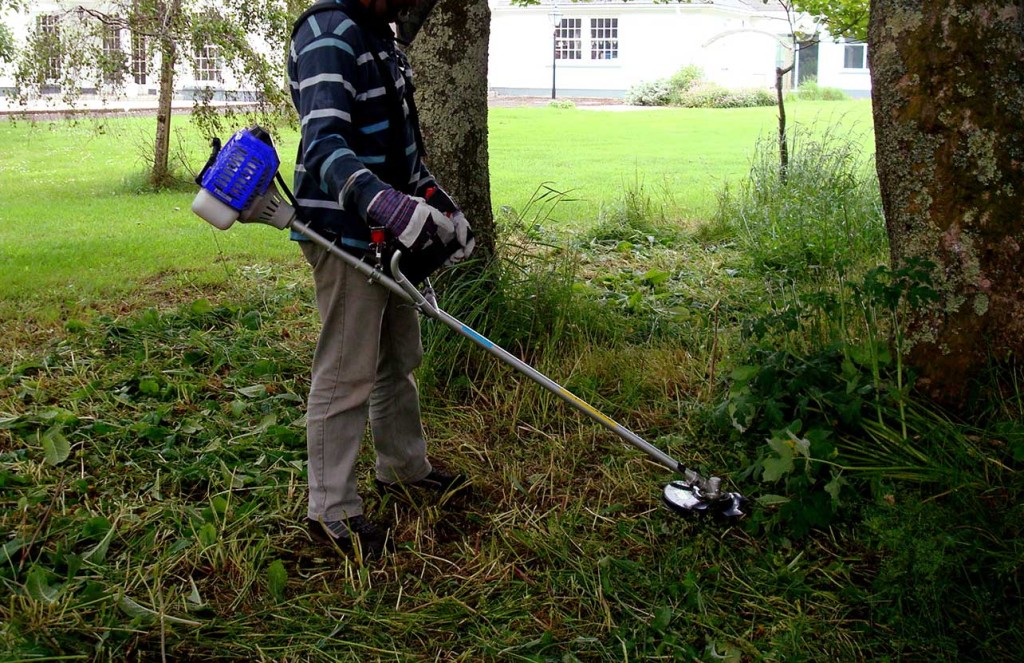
x=697 y=496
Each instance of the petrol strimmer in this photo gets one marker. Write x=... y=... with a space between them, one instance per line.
x=238 y=184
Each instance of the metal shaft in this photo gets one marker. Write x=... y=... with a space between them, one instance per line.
x=402 y=287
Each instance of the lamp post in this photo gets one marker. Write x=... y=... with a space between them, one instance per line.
x=556 y=22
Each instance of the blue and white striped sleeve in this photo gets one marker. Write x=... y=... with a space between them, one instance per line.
x=327 y=73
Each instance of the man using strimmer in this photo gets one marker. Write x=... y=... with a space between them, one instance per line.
x=359 y=175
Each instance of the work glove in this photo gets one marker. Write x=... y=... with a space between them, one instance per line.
x=464 y=236
x=440 y=199
x=415 y=224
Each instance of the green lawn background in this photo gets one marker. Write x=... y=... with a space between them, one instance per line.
x=76 y=228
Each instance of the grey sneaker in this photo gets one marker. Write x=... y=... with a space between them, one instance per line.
x=371 y=540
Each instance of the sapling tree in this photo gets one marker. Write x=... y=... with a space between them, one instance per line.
x=81 y=48
x=7 y=47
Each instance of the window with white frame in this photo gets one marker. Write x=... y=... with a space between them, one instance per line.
x=208 y=65
x=855 y=55
x=48 y=28
x=113 y=56
x=604 y=38
x=600 y=41
x=569 y=39
x=140 y=59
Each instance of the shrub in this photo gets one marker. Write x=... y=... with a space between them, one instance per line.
x=712 y=95
x=649 y=93
x=809 y=90
x=686 y=78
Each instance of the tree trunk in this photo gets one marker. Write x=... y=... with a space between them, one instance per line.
x=783 y=138
x=449 y=58
x=948 y=93
x=161 y=174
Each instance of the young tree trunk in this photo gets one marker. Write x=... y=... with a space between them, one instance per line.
x=449 y=59
x=161 y=173
x=948 y=93
x=780 y=73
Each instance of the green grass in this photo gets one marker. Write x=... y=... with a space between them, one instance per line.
x=73 y=228
x=680 y=154
x=152 y=452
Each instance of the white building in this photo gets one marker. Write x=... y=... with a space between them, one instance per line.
x=596 y=48
x=602 y=47
x=139 y=80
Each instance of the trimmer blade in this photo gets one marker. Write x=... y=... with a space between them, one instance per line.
x=689 y=499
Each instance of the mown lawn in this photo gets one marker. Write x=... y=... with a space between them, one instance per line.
x=74 y=229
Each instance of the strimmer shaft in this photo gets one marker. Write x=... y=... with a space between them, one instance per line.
x=402 y=287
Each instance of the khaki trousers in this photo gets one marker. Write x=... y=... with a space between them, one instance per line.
x=368 y=348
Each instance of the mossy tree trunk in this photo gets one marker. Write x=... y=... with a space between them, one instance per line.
x=948 y=92
x=449 y=59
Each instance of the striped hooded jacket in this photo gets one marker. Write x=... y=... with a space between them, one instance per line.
x=351 y=148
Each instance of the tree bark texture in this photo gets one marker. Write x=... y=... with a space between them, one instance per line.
x=449 y=59
x=948 y=91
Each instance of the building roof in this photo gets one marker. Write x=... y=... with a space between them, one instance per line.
x=756 y=6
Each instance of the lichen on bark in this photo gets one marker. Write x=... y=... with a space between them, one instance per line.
x=948 y=95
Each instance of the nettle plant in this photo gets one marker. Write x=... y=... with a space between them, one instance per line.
x=826 y=391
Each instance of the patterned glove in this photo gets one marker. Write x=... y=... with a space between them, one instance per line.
x=415 y=224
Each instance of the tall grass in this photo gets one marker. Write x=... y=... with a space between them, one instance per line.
x=821 y=214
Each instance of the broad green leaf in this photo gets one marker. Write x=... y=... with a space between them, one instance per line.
x=835 y=487
x=98 y=554
x=136 y=610
x=201 y=307
x=255 y=391
x=55 y=446
x=781 y=465
x=657 y=276
x=38 y=586
x=772 y=500
x=10 y=548
x=277 y=578
x=662 y=618
x=208 y=534
x=744 y=373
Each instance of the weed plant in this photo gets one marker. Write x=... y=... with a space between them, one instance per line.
x=847 y=442
x=820 y=215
